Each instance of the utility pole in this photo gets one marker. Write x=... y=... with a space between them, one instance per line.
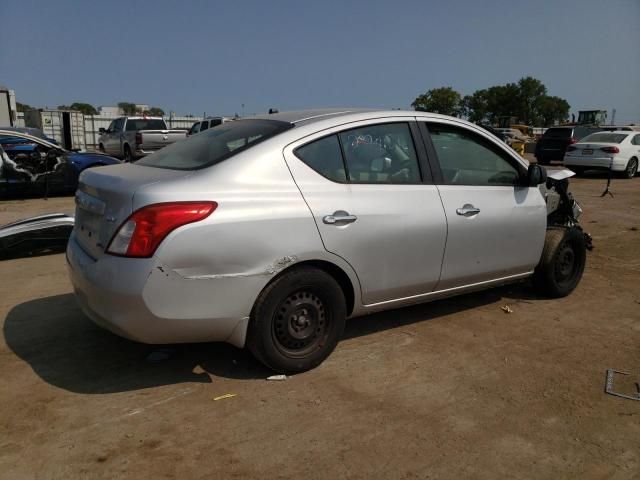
x=613 y=117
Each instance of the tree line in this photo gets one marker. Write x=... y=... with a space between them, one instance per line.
x=527 y=100
x=88 y=109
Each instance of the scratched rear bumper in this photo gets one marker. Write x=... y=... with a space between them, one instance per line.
x=143 y=300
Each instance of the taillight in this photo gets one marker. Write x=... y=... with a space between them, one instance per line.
x=610 y=149
x=573 y=140
x=138 y=138
x=144 y=230
x=571 y=148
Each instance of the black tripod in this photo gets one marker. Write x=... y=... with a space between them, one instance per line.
x=606 y=190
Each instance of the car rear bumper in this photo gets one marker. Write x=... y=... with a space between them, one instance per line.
x=617 y=164
x=140 y=300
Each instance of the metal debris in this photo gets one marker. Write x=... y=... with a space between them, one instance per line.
x=277 y=377
x=609 y=385
x=506 y=309
x=226 y=395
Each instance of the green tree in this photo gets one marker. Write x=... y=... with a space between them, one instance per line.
x=23 y=107
x=530 y=91
x=502 y=101
x=444 y=100
x=156 y=112
x=551 y=110
x=85 y=108
x=475 y=107
x=127 y=108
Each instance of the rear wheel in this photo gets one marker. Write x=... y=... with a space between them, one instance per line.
x=128 y=157
x=297 y=320
x=562 y=263
x=632 y=168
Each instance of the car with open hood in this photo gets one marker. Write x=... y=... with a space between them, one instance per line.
x=31 y=165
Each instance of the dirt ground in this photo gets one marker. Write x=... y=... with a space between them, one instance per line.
x=451 y=389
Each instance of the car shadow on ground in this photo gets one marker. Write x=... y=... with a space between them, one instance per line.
x=65 y=349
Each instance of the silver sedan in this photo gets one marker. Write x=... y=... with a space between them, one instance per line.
x=270 y=231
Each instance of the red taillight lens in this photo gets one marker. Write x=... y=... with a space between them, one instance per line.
x=573 y=140
x=610 y=149
x=571 y=148
x=138 y=138
x=144 y=230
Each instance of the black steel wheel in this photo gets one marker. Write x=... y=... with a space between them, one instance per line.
x=300 y=324
x=297 y=320
x=562 y=262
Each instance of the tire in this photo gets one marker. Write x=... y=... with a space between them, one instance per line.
x=579 y=171
x=101 y=148
x=631 y=169
x=128 y=157
x=297 y=320
x=562 y=263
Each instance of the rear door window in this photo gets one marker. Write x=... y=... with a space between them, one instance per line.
x=380 y=154
x=558 y=133
x=214 y=145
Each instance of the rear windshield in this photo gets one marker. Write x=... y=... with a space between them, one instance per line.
x=605 y=137
x=214 y=145
x=558 y=133
x=146 y=124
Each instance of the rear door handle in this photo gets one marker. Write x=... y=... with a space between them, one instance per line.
x=467 y=210
x=339 y=217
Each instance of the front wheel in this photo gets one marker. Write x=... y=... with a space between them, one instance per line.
x=297 y=320
x=562 y=263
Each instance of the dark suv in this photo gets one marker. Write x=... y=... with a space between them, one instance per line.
x=555 y=140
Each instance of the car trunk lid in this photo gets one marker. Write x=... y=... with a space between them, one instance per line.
x=104 y=200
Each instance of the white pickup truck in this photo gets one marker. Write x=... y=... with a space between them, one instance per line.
x=131 y=138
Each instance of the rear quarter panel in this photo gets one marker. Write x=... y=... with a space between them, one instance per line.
x=261 y=227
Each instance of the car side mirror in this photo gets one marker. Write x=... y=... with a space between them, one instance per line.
x=536 y=175
x=102 y=131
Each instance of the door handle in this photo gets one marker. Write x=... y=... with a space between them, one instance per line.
x=467 y=210
x=339 y=217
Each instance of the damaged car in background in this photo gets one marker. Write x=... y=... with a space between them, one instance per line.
x=35 y=166
x=269 y=232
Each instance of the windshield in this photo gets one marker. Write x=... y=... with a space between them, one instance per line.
x=214 y=145
x=558 y=133
x=146 y=124
x=604 y=138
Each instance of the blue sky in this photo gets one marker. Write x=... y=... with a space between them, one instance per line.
x=214 y=56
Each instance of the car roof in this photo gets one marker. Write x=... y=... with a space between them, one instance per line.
x=299 y=117
x=308 y=117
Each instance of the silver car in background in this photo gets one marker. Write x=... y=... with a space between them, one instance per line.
x=269 y=232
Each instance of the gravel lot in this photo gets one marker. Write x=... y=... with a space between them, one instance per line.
x=451 y=389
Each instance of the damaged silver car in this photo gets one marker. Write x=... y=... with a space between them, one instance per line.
x=269 y=232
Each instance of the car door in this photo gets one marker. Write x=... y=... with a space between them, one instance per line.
x=112 y=137
x=374 y=204
x=496 y=224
